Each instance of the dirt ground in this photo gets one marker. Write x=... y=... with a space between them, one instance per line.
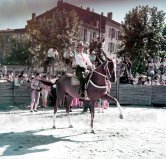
x=140 y=135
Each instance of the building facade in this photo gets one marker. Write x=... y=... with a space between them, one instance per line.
x=93 y=25
x=4 y=42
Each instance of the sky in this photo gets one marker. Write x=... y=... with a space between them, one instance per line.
x=15 y=13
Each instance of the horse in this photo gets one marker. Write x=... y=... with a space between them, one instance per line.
x=96 y=88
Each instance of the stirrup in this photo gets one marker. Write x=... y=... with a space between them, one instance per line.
x=84 y=96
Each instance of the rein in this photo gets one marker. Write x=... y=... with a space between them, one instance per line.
x=101 y=74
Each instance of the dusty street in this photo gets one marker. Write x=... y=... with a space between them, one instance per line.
x=140 y=135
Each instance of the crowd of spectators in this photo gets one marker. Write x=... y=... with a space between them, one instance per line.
x=155 y=74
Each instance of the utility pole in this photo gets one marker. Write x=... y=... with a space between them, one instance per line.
x=100 y=26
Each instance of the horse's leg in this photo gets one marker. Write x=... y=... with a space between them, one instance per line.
x=68 y=105
x=98 y=103
x=59 y=99
x=92 y=110
x=108 y=97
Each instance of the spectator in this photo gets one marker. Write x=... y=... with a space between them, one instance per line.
x=92 y=57
x=156 y=64
x=161 y=68
x=45 y=91
x=163 y=79
x=125 y=71
x=157 y=80
x=52 y=54
x=148 y=81
x=9 y=77
x=157 y=76
x=19 y=80
x=151 y=67
x=164 y=61
x=35 y=94
x=4 y=71
x=68 y=57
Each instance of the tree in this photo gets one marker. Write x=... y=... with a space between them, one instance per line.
x=163 y=46
x=59 y=31
x=139 y=24
x=20 y=50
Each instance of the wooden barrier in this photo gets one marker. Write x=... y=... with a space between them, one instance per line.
x=158 y=95
x=125 y=93
x=11 y=95
x=6 y=93
x=22 y=95
x=135 y=94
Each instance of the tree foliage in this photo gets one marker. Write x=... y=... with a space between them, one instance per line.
x=163 y=46
x=140 y=23
x=59 y=31
x=20 y=50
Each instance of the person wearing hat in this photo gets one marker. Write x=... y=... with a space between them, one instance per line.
x=68 y=58
x=83 y=63
x=98 y=47
x=4 y=71
x=52 y=53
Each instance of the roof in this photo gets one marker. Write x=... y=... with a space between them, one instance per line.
x=21 y=30
x=88 y=17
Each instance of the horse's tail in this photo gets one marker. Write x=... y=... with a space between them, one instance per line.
x=49 y=83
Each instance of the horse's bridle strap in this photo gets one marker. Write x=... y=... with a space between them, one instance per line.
x=97 y=85
x=100 y=74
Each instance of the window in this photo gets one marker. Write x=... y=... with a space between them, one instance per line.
x=94 y=35
x=109 y=34
x=112 y=33
x=119 y=35
x=111 y=47
x=85 y=35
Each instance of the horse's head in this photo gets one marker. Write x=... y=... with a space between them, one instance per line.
x=110 y=69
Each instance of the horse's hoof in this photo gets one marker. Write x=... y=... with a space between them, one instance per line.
x=92 y=131
x=70 y=126
x=54 y=127
x=121 y=116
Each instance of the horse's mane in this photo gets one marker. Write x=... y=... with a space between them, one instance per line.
x=102 y=64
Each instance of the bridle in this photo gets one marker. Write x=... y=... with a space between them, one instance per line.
x=108 y=73
x=106 y=76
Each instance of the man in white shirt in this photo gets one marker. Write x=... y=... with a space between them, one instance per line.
x=68 y=58
x=52 y=53
x=83 y=63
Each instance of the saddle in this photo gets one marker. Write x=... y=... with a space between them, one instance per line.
x=75 y=81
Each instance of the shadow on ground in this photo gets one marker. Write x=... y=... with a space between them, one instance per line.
x=21 y=143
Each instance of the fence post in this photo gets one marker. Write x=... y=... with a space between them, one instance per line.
x=151 y=90
x=117 y=89
x=13 y=86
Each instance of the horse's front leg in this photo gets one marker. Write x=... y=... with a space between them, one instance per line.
x=68 y=105
x=54 y=116
x=58 y=102
x=92 y=110
x=108 y=97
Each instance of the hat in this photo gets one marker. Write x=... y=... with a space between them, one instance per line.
x=80 y=44
x=37 y=74
x=93 y=52
x=54 y=47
